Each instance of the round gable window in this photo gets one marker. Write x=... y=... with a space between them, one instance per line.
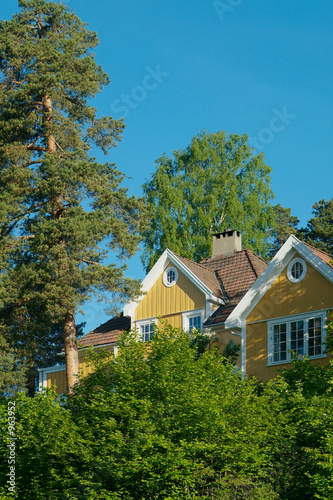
x=170 y=276
x=296 y=270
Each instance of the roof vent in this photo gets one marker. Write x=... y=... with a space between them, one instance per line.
x=226 y=243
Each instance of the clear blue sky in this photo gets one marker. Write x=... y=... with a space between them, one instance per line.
x=259 y=67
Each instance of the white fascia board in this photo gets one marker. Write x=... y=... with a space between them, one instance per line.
x=147 y=284
x=195 y=280
x=166 y=258
x=52 y=369
x=270 y=274
x=83 y=349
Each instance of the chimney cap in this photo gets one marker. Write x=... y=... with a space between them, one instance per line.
x=227 y=242
x=227 y=232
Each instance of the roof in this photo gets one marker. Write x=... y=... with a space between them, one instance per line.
x=325 y=257
x=236 y=273
x=205 y=274
x=107 y=333
x=319 y=260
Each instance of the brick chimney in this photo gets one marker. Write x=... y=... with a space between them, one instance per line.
x=226 y=243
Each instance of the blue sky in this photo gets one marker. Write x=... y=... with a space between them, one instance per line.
x=261 y=67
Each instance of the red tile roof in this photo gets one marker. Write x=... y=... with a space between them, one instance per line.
x=237 y=273
x=206 y=275
x=107 y=333
x=325 y=257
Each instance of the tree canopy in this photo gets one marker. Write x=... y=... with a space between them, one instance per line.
x=319 y=230
x=216 y=183
x=161 y=421
x=57 y=202
x=284 y=225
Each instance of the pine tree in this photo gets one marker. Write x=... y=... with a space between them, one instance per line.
x=57 y=202
x=217 y=183
x=319 y=230
x=285 y=225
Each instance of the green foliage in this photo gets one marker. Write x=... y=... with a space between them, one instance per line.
x=217 y=183
x=12 y=370
x=231 y=351
x=58 y=204
x=161 y=422
x=285 y=225
x=319 y=230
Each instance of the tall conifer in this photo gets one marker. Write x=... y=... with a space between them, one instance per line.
x=57 y=202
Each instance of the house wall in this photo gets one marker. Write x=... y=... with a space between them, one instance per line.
x=170 y=302
x=313 y=293
x=284 y=298
x=58 y=378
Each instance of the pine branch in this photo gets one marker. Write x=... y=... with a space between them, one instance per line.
x=91 y=262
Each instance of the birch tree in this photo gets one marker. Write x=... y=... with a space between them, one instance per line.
x=216 y=183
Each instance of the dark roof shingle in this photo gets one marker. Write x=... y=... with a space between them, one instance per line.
x=107 y=333
x=237 y=273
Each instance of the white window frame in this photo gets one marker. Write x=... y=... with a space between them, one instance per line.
x=288 y=320
x=291 y=265
x=144 y=322
x=192 y=314
x=165 y=276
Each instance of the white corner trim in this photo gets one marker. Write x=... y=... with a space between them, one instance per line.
x=243 y=350
x=42 y=382
x=270 y=274
x=166 y=258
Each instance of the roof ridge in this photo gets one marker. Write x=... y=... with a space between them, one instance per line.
x=250 y=253
x=223 y=256
x=223 y=290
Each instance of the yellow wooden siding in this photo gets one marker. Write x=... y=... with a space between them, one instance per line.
x=257 y=351
x=284 y=298
x=58 y=379
x=167 y=301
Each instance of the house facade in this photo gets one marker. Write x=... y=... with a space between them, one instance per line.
x=269 y=309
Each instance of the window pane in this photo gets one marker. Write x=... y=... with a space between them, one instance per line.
x=297 y=270
x=171 y=276
x=315 y=337
x=194 y=322
x=280 y=342
x=147 y=331
x=297 y=337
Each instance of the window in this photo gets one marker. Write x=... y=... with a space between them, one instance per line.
x=193 y=320
x=301 y=334
x=146 y=329
x=296 y=270
x=170 y=276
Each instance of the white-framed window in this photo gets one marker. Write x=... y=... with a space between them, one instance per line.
x=302 y=334
x=193 y=320
x=296 y=270
x=146 y=329
x=170 y=276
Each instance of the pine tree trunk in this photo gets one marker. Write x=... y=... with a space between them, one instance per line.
x=69 y=328
x=71 y=352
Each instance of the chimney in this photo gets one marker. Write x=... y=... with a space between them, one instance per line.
x=226 y=243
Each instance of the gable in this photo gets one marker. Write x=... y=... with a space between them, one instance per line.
x=161 y=300
x=284 y=298
x=259 y=292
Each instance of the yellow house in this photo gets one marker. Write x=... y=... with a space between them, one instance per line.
x=270 y=310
